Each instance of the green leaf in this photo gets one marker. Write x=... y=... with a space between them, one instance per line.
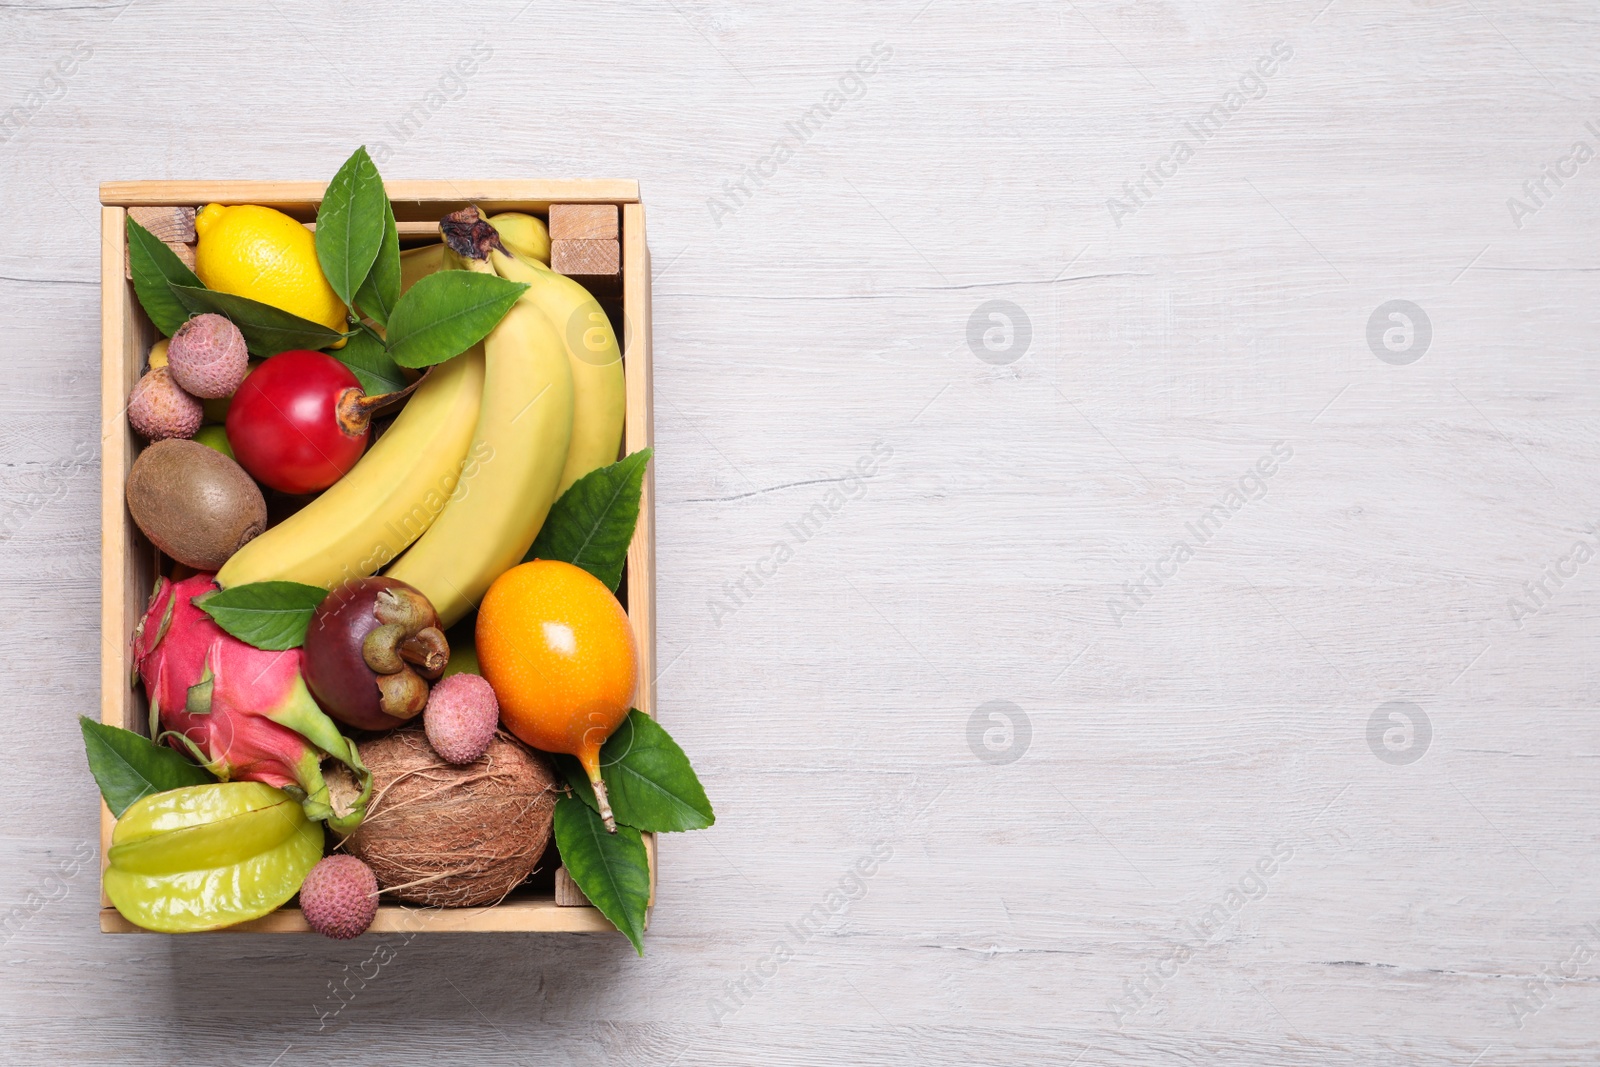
x=381 y=291
x=447 y=313
x=612 y=869
x=592 y=524
x=267 y=330
x=365 y=355
x=350 y=224
x=128 y=766
x=154 y=265
x=269 y=615
x=650 y=782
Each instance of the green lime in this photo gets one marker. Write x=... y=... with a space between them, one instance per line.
x=215 y=437
x=463 y=647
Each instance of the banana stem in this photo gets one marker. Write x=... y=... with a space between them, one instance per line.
x=469 y=235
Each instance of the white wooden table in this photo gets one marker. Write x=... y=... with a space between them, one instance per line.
x=1315 y=792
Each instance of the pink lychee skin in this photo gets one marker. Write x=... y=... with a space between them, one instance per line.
x=208 y=357
x=339 y=898
x=158 y=408
x=461 y=718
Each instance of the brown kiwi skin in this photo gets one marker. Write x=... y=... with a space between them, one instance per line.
x=195 y=504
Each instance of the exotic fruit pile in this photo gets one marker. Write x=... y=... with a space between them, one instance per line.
x=384 y=658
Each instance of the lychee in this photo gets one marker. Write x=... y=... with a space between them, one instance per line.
x=339 y=897
x=461 y=717
x=158 y=408
x=208 y=356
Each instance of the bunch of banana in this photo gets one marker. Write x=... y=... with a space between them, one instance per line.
x=418 y=263
x=599 y=395
x=468 y=471
x=387 y=499
x=394 y=493
x=521 y=436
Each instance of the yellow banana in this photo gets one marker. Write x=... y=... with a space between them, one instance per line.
x=521 y=435
x=599 y=392
x=417 y=263
x=523 y=234
x=387 y=500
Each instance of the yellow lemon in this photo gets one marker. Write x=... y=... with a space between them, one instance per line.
x=264 y=255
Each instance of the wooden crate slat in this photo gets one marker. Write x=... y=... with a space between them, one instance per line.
x=514 y=916
x=115 y=459
x=639 y=432
x=504 y=195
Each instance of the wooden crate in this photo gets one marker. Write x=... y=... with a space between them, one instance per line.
x=128 y=561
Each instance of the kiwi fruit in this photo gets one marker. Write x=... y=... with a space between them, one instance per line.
x=195 y=504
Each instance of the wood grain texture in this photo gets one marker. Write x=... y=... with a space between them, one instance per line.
x=587 y=259
x=568 y=895
x=816 y=272
x=492 y=195
x=519 y=916
x=583 y=222
x=172 y=225
x=417 y=232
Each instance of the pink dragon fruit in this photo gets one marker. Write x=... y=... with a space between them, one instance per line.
x=243 y=712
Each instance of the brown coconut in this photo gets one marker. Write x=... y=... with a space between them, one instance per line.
x=454 y=836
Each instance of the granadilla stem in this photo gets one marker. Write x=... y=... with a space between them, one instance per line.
x=604 y=803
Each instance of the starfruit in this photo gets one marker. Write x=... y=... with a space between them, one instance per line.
x=206 y=856
x=243 y=712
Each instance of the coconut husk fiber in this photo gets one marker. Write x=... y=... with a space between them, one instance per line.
x=454 y=836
